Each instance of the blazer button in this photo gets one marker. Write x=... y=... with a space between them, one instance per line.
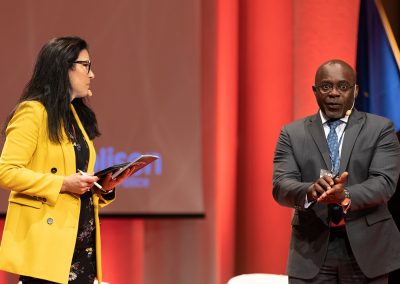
x=53 y=170
x=50 y=221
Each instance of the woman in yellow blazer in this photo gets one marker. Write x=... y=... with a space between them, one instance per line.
x=52 y=230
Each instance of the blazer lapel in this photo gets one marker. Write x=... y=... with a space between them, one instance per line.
x=317 y=133
x=68 y=149
x=69 y=154
x=92 y=152
x=354 y=125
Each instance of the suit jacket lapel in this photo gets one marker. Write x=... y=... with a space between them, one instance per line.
x=353 y=127
x=317 y=133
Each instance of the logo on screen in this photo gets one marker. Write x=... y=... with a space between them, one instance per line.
x=107 y=157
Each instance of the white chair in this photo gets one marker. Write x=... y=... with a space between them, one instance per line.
x=259 y=278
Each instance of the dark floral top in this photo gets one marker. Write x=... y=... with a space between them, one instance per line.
x=83 y=267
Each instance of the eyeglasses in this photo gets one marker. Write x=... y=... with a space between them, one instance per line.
x=327 y=87
x=86 y=63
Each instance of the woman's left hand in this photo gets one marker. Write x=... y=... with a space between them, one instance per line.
x=109 y=183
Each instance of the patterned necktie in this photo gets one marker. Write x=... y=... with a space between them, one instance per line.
x=333 y=144
x=335 y=211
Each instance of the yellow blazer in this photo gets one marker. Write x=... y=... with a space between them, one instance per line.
x=41 y=223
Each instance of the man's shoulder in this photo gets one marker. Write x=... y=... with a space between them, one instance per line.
x=375 y=118
x=302 y=121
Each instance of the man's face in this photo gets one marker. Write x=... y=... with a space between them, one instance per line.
x=335 y=90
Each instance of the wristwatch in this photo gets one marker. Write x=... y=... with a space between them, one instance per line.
x=346 y=201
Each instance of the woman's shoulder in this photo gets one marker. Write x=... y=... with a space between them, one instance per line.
x=31 y=103
x=33 y=111
x=31 y=106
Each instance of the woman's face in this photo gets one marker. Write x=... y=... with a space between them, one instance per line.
x=80 y=75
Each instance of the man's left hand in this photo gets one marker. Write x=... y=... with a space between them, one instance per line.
x=336 y=193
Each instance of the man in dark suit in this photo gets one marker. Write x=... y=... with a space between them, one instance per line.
x=342 y=230
x=394 y=208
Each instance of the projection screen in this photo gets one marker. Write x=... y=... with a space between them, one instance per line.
x=146 y=91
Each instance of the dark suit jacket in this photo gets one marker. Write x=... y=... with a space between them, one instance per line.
x=371 y=155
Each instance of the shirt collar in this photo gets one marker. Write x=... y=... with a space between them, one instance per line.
x=324 y=119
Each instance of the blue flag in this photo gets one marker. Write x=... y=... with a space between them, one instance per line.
x=378 y=73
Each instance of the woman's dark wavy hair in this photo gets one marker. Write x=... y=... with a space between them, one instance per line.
x=50 y=85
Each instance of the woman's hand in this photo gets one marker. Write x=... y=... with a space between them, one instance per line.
x=109 y=183
x=78 y=183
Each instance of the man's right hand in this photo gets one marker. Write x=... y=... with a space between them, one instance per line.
x=320 y=186
x=336 y=193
